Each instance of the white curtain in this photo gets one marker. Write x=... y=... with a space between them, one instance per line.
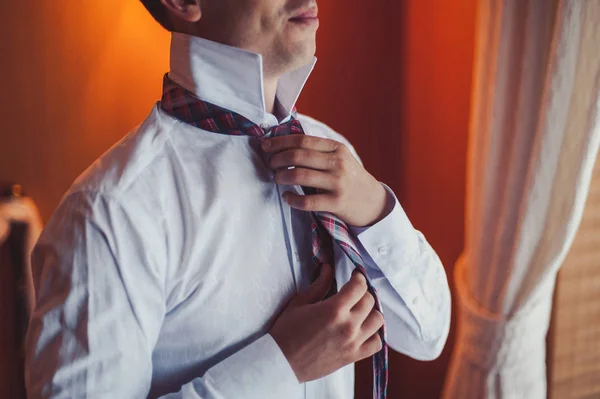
x=534 y=138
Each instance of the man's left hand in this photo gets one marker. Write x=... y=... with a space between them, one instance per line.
x=346 y=189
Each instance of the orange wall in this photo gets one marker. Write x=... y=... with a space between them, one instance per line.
x=436 y=85
x=75 y=80
x=393 y=76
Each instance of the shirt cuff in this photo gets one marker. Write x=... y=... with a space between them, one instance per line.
x=390 y=240
x=260 y=370
x=390 y=200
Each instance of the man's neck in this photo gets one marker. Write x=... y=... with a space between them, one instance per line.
x=270 y=92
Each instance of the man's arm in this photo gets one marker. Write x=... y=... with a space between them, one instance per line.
x=405 y=270
x=411 y=282
x=100 y=306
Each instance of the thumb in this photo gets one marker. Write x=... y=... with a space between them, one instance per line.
x=317 y=290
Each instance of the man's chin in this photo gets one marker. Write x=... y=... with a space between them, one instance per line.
x=301 y=60
x=291 y=57
x=304 y=53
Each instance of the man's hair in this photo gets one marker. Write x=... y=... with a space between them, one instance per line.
x=159 y=12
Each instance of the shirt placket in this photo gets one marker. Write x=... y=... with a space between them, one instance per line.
x=290 y=241
x=293 y=253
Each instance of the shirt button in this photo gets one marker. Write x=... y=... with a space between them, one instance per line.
x=383 y=250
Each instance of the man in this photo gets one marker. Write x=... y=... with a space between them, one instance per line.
x=184 y=263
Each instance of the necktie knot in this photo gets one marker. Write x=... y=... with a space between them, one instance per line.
x=292 y=126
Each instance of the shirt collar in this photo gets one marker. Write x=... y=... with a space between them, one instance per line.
x=232 y=78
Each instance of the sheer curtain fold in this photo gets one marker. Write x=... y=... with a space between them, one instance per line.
x=534 y=139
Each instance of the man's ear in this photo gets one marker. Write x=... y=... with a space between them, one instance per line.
x=187 y=10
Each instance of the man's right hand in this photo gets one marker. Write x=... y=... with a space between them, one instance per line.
x=320 y=336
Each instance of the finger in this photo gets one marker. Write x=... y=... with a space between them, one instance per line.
x=351 y=292
x=370 y=347
x=303 y=158
x=311 y=203
x=317 y=290
x=372 y=324
x=282 y=143
x=307 y=177
x=363 y=308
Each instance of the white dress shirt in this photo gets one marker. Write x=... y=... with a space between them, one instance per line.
x=168 y=260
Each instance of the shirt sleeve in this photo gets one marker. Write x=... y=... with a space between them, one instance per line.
x=99 y=275
x=411 y=283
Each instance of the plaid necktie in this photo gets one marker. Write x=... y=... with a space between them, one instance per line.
x=325 y=227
